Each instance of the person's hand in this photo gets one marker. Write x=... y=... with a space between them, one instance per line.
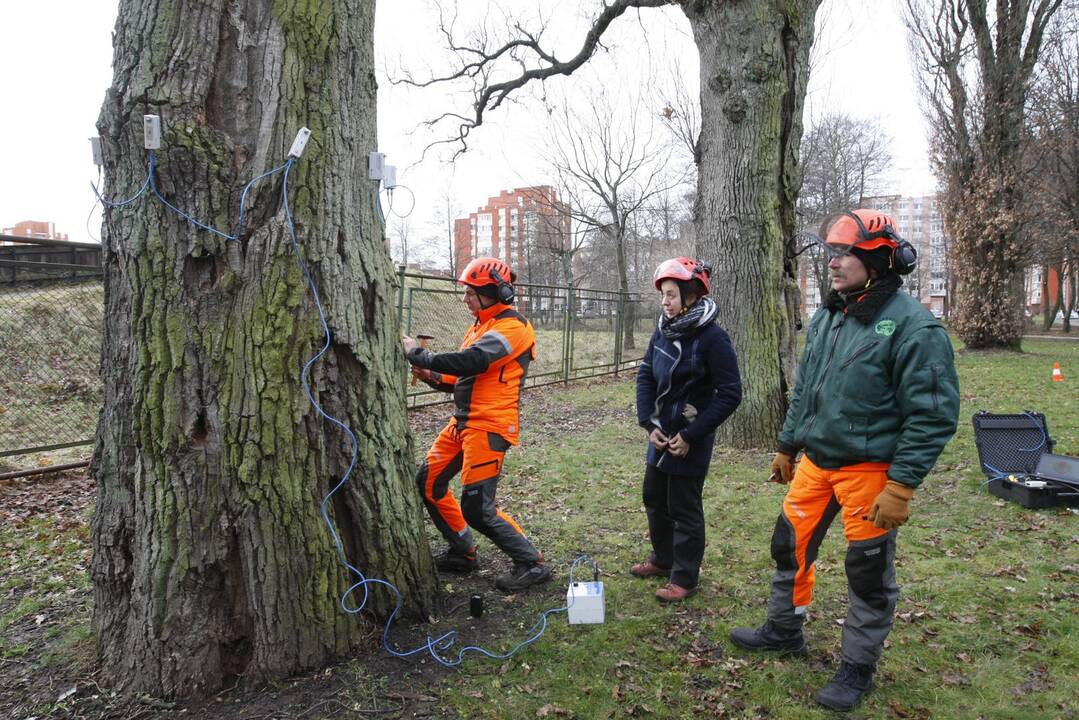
x=425 y=374
x=891 y=508
x=782 y=469
x=658 y=439
x=409 y=344
x=678 y=446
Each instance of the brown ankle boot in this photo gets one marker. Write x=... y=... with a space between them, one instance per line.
x=670 y=593
x=649 y=569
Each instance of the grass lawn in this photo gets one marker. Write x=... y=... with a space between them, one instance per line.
x=987 y=623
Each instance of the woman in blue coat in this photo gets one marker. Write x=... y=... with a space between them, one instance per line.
x=688 y=384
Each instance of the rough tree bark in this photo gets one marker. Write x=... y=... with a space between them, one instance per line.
x=754 y=69
x=211 y=560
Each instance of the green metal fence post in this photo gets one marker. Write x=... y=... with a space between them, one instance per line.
x=400 y=290
x=618 y=325
x=567 y=335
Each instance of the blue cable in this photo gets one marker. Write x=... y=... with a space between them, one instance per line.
x=133 y=198
x=149 y=183
x=1001 y=475
x=1038 y=424
x=434 y=644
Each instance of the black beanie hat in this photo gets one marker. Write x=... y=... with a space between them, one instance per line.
x=879 y=259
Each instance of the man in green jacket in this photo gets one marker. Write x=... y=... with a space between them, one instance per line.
x=875 y=400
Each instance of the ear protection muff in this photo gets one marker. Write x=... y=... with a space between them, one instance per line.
x=903 y=258
x=505 y=290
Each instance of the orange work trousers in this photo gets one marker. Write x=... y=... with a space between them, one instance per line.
x=478 y=456
x=816 y=495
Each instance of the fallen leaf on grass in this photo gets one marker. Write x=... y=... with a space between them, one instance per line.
x=551 y=709
x=954 y=678
x=67 y=693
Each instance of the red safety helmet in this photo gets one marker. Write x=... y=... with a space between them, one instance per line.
x=490 y=271
x=682 y=268
x=863 y=229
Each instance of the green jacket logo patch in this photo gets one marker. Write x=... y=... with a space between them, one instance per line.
x=885 y=327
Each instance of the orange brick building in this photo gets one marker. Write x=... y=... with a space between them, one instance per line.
x=525 y=227
x=34 y=229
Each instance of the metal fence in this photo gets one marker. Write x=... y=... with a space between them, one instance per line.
x=51 y=308
x=577 y=330
x=50 y=341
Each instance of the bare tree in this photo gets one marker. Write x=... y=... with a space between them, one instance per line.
x=211 y=560
x=446 y=213
x=844 y=160
x=753 y=73
x=978 y=147
x=605 y=163
x=398 y=235
x=1053 y=205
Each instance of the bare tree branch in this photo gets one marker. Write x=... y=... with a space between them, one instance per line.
x=525 y=50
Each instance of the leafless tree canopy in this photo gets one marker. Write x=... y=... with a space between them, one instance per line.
x=844 y=160
x=1053 y=161
x=975 y=69
x=520 y=52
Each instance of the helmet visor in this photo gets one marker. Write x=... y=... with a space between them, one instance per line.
x=835 y=251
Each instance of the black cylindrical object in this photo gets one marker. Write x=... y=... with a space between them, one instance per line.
x=475 y=606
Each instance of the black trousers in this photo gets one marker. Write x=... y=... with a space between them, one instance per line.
x=675 y=508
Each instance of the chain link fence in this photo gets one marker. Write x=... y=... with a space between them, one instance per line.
x=577 y=330
x=50 y=343
x=51 y=312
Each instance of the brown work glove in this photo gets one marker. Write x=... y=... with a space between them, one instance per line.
x=782 y=468
x=890 y=510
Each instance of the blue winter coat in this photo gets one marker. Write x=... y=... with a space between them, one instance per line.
x=700 y=371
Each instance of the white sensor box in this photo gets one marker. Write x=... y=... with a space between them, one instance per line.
x=376 y=164
x=299 y=143
x=151 y=132
x=584 y=603
x=389 y=177
x=95 y=148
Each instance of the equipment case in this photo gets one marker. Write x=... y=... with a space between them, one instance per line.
x=1012 y=445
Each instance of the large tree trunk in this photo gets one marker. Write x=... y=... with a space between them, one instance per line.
x=211 y=559
x=748 y=182
x=981 y=210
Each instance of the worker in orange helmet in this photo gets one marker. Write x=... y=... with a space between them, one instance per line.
x=876 y=398
x=485 y=376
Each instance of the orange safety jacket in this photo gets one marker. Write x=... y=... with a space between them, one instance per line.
x=486 y=375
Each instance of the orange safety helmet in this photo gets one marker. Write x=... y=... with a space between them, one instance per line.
x=863 y=229
x=490 y=271
x=682 y=268
x=868 y=230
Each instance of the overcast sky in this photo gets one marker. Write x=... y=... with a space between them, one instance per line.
x=56 y=58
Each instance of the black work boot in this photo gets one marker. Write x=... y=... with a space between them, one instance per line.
x=847 y=688
x=457 y=562
x=523 y=576
x=771 y=638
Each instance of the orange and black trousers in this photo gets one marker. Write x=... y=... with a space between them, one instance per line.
x=816 y=495
x=477 y=455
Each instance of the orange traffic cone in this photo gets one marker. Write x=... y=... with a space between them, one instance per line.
x=1057 y=375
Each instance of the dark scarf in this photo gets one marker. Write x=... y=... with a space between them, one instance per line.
x=863 y=304
x=687 y=323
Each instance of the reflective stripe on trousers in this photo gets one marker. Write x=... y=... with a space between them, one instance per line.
x=477 y=455
x=813 y=500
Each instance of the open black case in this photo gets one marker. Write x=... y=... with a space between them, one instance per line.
x=1009 y=446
